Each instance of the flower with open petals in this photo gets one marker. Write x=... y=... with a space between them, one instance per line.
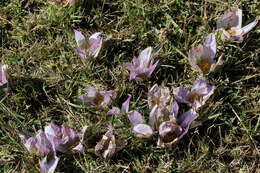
x=174 y=129
x=230 y=23
x=97 y=97
x=3 y=75
x=139 y=128
x=159 y=96
x=88 y=48
x=65 y=138
x=201 y=58
x=53 y=139
x=198 y=95
x=142 y=67
x=108 y=145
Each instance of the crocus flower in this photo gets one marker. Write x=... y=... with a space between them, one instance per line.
x=198 y=95
x=88 y=48
x=230 y=23
x=108 y=145
x=158 y=96
x=41 y=145
x=53 y=139
x=142 y=67
x=157 y=116
x=3 y=75
x=97 y=97
x=201 y=58
x=65 y=138
x=139 y=128
x=174 y=129
x=124 y=109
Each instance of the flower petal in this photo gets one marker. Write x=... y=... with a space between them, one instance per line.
x=157 y=116
x=80 y=39
x=247 y=28
x=186 y=119
x=142 y=131
x=49 y=163
x=210 y=43
x=145 y=57
x=174 y=110
x=125 y=105
x=135 y=117
x=180 y=94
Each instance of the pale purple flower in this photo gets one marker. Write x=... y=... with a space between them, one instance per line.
x=201 y=58
x=53 y=139
x=39 y=144
x=49 y=163
x=3 y=75
x=88 y=48
x=159 y=96
x=124 y=109
x=139 y=128
x=108 y=145
x=197 y=96
x=143 y=66
x=230 y=23
x=97 y=97
x=174 y=129
x=65 y=138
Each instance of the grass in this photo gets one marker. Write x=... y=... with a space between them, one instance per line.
x=46 y=77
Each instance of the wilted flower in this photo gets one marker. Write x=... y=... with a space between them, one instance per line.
x=108 y=145
x=139 y=128
x=3 y=75
x=97 y=97
x=65 y=138
x=88 y=47
x=174 y=129
x=142 y=67
x=198 y=95
x=230 y=23
x=124 y=109
x=201 y=58
x=158 y=96
x=53 y=139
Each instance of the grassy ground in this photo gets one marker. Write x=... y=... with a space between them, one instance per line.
x=46 y=77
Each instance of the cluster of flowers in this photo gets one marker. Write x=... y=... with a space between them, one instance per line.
x=163 y=117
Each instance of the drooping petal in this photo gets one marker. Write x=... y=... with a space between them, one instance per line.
x=142 y=131
x=169 y=133
x=3 y=75
x=135 y=117
x=52 y=129
x=186 y=119
x=125 y=105
x=80 y=52
x=247 y=28
x=49 y=163
x=81 y=134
